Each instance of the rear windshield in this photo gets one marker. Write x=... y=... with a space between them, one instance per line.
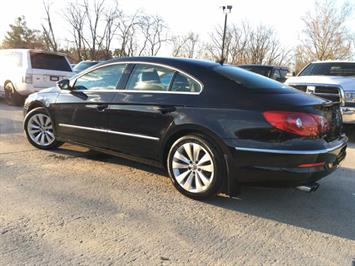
x=265 y=71
x=49 y=61
x=251 y=80
x=329 y=69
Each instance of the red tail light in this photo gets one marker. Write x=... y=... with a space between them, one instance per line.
x=302 y=124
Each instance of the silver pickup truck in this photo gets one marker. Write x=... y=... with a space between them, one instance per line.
x=332 y=80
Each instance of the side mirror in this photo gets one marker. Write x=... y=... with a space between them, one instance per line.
x=64 y=84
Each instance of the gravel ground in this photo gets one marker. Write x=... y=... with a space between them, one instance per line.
x=75 y=206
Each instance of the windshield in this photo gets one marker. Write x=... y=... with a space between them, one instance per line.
x=83 y=65
x=265 y=71
x=329 y=69
x=251 y=80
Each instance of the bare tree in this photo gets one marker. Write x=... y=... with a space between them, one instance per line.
x=127 y=34
x=75 y=15
x=325 y=35
x=48 y=31
x=247 y=45
x=93 y=16
x=185 y=45
x=153 y=31
x=112 y=15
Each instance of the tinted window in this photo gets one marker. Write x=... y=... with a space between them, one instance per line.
x=251 y=80
x=104 y=78
x=185 y=84
x=49 y=61
x=283 y=73
x=276 y=74
x=83 y=65
x=150 y=78
x=329 y=69
x=265 y=71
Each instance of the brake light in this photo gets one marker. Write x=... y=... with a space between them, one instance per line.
x=301 y=124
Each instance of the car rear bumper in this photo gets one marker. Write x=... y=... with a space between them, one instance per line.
x=348 y=115
x=285 y=167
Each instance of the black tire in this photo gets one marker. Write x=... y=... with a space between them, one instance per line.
x=39 y=111
x=12 y=97
x=217 y=161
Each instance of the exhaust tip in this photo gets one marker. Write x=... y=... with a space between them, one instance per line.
x=309 y=187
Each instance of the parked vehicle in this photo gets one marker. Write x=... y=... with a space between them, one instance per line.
x=273 y=72
x=331 y=80
x=84 y=65
x=214 y=127
x=25 y=71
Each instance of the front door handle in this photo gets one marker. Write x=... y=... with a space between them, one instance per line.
x=167 y=109
x=101 y=107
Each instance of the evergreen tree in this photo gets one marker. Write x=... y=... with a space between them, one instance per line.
x=20 y=36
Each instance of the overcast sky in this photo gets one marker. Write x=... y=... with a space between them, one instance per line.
x=181 y=16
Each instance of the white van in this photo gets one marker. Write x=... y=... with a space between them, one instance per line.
x=24 y=71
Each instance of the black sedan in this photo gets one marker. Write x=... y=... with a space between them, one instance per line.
x=213 y=127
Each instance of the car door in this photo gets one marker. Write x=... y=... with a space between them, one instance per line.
x=81 y=112
x=143 y=110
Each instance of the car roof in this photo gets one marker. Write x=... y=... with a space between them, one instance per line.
x=170 y=61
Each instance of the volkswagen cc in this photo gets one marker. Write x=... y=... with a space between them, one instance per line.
x=213 y=127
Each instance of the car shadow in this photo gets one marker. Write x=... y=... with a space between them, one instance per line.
x=330 y=210
x=77 y=151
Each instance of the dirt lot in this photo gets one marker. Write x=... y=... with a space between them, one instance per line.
x=73 y=206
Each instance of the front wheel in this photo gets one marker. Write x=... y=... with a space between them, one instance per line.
x=196 y=167
x=39 y=129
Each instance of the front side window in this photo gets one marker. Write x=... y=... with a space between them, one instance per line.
x=185 y=84
x=104 y=78
x=150 y=78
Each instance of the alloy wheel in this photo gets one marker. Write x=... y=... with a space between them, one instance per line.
x=193 y=167
x=40 y=129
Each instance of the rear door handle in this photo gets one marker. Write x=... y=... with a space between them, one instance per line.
x=101 y=107
x=167 y=109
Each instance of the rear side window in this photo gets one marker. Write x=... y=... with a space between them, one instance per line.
x=103 y=78
x=49 y=61
x=185 y=84
x=150 y=78
x=251 y=80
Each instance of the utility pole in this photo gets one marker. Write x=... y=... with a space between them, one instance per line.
x=226 y=11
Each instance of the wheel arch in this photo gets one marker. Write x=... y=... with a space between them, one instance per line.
x=33 y=105
x=188 y=129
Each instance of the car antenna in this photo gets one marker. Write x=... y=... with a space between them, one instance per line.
x=221 y=61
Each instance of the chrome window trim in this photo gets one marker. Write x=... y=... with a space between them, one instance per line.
x=293 y=152
x=141 y=91
x=110 y=131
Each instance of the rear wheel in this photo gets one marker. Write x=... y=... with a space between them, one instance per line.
x=39 y=129
x=196 y=167
x=12 y=97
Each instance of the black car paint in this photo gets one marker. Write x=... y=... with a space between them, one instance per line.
x=226 y=112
